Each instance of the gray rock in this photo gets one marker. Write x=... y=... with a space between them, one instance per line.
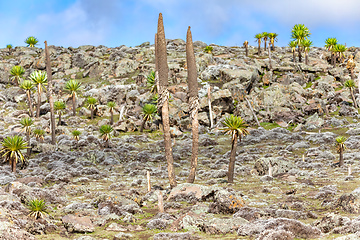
x=331 y=221
x=121 y=236
x=353 y=142
x=157 y=224
x=276 y=234
x=297 y=228
x=85 y=238
x=348 y=203
x=353 y=131
x=6 y=177
x=326 y=192
x=174 y=236
x=78 y=224
x=193 y=191
x=349 y=237
x=347 y=111
x=314 y=120
x=222 y=226
x=321 y=138
x=280 y=165
x=116 y=228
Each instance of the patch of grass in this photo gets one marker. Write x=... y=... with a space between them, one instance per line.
x=269 y=126
x=317 y=78
x=8 y=57
x=291 y=127
x=339 y=88
x=22 y=106
x=308 y=85
x=79 y=75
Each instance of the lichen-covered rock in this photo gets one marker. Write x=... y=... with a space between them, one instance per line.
x=78 y=224
x=226 y=202
x=331 y=221
x=222 y=225
x=297 y=228
x=348 y=203
x=174 y=236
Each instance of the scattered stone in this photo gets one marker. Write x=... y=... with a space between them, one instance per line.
x=78 y=224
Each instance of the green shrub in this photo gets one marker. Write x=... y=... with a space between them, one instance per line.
x=37 y=208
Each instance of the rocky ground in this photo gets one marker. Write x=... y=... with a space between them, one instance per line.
x=93 y=192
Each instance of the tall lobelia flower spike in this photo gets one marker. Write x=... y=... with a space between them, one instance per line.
x=163 y=100
x=193 y=103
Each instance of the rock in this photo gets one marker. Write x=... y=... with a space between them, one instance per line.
x=157 y=224
x=349 y=237
x=325 y=192
x=280 y=165
x=321 y=138
x=78 y=224
x=353 y=131
x=347 y=111
x=85 y=238
x=174 y=236
x=348 y=203
x=222 y=99
x=222 y=226
x=6 y=177
x=226 y=202
x=121 y=236
x=116 y=228
x=249 y=213
x=175 y=132
x=192 y=191
x=12 y=232
x=331 y=221
x=297 y=228
x=276 y=234
x=353 y=142
x=314 y=121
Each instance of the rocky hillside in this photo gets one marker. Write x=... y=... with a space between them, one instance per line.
x=92 y=192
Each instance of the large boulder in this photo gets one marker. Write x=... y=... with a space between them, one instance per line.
x=78 y=224
x=297 y=228
x=279 y=164
x=222 y=225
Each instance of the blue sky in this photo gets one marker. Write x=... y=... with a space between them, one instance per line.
x=131 y=22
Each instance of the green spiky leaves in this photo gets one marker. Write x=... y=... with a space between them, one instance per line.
x=39 y=134
x=105 y=132
x=76 y=134
x=72 y=86
x=17 y=73
x=235 y=126
x=330 y=43
x=306 y=44
x=151 y=83
x=208 y=49
x=39 y=78
x=31 y=41
x=91 y=103
x=59 y=105
x=293 y=45
x=340 y=143
x=37 y=208
x=26 y=124
x=27 y=85
x=11 y=148
x=349 y=84
x=149 y=110
x=111 y=106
